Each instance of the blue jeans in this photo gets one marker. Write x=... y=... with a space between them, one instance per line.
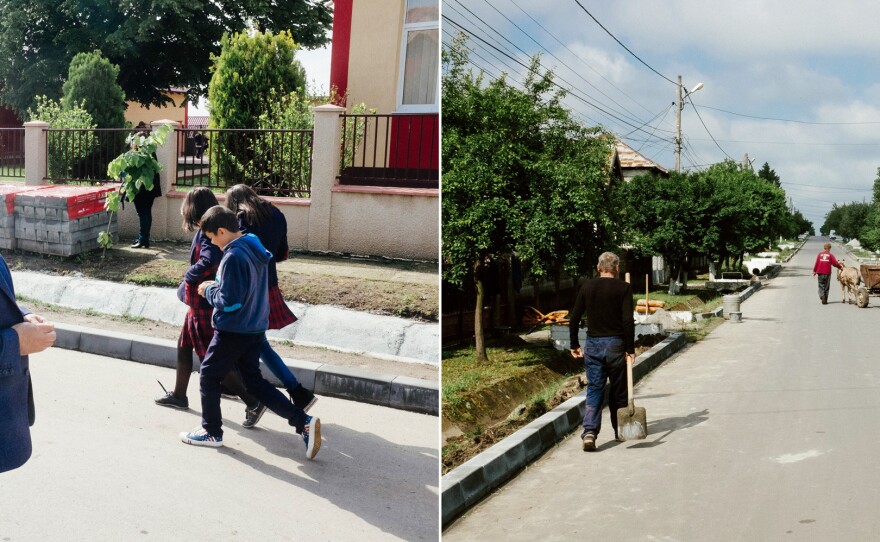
x=243 y=350
x=604 y=359
x=276 y=365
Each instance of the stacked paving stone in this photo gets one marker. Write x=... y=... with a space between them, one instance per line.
x=7 y=213
x=62 y=220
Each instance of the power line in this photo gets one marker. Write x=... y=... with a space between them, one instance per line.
x=513 y=82
x=536 y=42
x=691 y=101
x=584 y=62
x=828 y=187
x=622 y=45
x=789 y=120
x=569 y=91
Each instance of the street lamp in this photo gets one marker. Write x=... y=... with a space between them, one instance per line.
x=679 y=105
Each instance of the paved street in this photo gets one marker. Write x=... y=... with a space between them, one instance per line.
x=765 y=430
x=108 y=465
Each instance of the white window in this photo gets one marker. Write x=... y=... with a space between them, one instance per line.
x=420 y=58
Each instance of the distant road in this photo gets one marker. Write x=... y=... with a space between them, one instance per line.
x=765 y=430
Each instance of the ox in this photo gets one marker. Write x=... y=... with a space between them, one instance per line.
x=849 y=281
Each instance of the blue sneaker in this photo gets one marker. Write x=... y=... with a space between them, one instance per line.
x=312 y=436
x=200 y=437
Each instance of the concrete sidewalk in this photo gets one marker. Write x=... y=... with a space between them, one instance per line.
x=384 y=337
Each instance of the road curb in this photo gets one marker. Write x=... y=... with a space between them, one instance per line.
x=467 y=484
x=405 y=393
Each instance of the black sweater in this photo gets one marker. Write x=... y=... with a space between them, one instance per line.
x=609 y=306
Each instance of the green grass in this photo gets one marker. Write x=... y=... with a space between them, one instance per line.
x=462 y=373
x=12 y=175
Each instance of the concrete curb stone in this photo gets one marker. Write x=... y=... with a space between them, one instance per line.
x=399 y=392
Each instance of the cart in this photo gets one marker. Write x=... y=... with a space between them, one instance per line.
x=871 y=283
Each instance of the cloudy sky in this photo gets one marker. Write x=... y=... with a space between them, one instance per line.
x=816 y=65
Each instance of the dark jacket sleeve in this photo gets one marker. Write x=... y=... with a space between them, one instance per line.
x=282 y=251
x=629 y=326
x=574 y=317
x=206 y=267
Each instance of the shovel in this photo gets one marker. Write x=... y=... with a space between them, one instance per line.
x=632 y=421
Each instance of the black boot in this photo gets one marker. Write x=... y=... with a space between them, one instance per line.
x=302 y=397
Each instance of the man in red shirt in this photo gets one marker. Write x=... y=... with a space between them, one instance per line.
x=822 y=267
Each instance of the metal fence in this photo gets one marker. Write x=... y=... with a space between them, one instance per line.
x=79 y=155
x=390 y=150
x=11 y=152
x=272 y=162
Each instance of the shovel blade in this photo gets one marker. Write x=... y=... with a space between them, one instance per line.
x=632 y=423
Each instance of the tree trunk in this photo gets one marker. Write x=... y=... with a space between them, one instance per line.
x=674 y=282
x=479 y=333
x=511 y=293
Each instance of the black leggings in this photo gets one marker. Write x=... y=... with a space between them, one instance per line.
x=143 y=204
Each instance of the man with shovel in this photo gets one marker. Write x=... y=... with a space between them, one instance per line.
x=608 y=304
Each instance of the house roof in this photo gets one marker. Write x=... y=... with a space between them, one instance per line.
x=632 y=159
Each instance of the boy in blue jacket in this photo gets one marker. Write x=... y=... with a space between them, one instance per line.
x=241 y=317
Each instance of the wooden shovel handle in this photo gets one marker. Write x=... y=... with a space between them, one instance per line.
x=629 y=384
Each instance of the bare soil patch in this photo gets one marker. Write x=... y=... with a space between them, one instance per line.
x=163 y=268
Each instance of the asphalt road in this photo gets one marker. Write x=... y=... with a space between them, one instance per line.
x=765 y=430
x=108 y=465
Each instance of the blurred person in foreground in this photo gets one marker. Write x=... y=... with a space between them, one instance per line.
x=21 y=333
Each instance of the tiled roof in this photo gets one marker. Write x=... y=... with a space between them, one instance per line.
x=631 y=159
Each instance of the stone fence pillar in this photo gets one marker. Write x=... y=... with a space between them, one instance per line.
x=325 y=167
x=35 y=152
x=166 y=154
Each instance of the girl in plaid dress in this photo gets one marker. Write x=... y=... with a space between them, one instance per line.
x=197 y=328
x=261 y=218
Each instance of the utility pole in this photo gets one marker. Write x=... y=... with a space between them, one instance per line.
x=678 y=107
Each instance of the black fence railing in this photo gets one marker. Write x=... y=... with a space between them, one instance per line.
x=272 y=162
x=390 y=150
x=79 y=155
x=11 y=153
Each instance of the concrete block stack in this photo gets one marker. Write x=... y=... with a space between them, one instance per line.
x=7 y=212
x=62 y=220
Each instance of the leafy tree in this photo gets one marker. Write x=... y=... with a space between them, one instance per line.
x=853 y=220
x=674 y=217
x=65 y=149
x=870 y=235
x=769 y=175
x=832 y=220
x=519 y=176
x=250 y=73
x=156 y=45
x=249 y=66
x=91 y=82
x=136 y=169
